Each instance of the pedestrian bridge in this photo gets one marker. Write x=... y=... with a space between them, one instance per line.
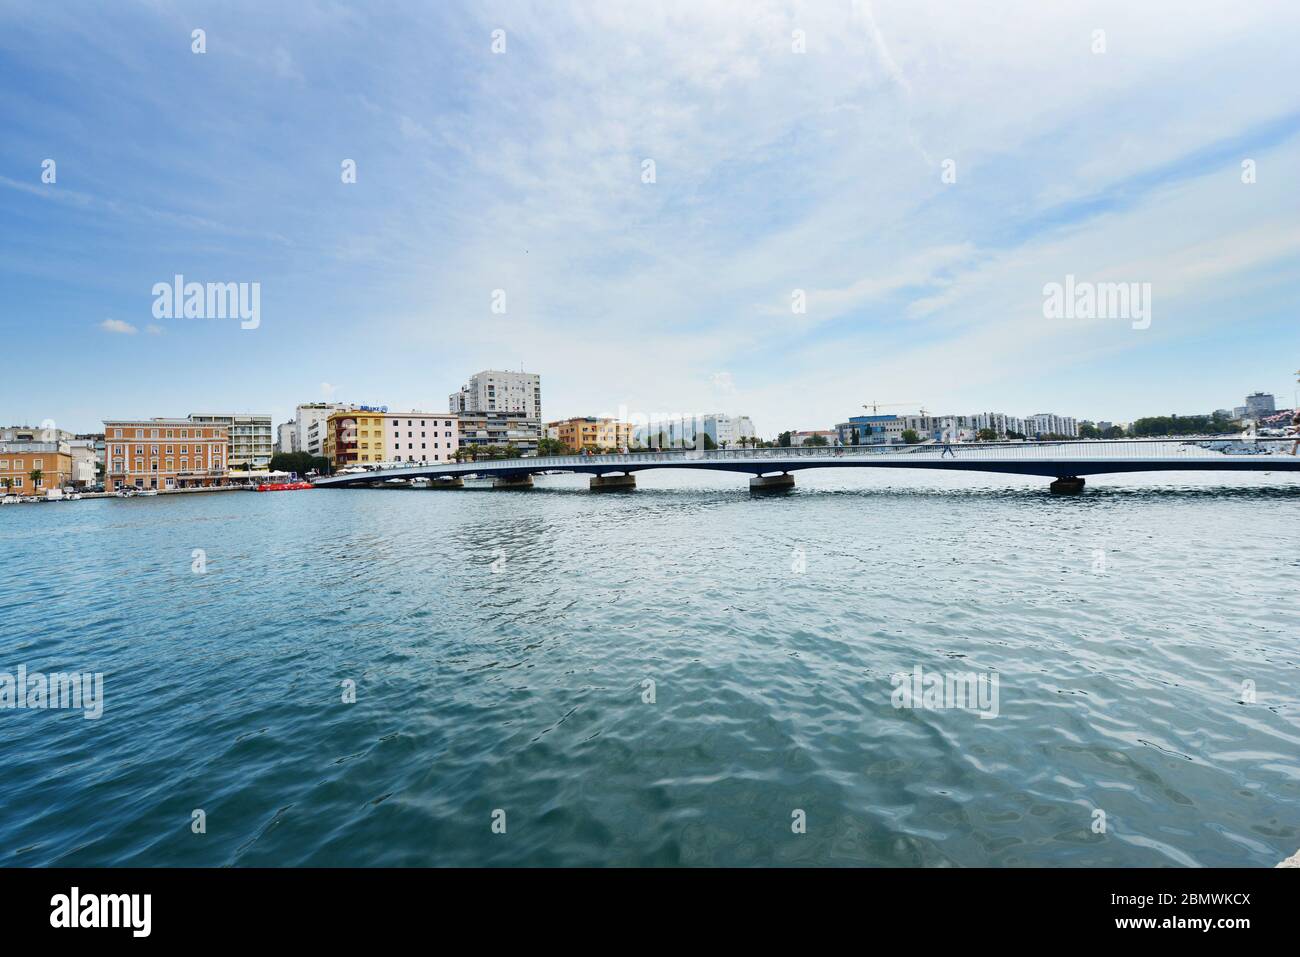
x=1067 y=462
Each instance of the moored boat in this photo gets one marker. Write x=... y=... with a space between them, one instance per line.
x=284 y=486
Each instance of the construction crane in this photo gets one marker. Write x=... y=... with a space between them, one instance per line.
x=875 y=407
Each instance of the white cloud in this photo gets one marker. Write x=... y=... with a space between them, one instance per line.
x=118 y=327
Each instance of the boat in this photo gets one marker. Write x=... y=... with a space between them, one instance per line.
x=147 y=491
x=285 y=486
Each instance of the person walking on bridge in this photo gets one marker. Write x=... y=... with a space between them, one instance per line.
x=1295 y=429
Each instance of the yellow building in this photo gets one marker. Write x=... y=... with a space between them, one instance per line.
x=354 y=437
x=589 y=432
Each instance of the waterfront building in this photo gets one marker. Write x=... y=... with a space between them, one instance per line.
x=998 y=422
x=1048 y=423
x=420 y=436
x=309 y=426
x=871 y=429
x=286 y=437
x=685 y=431
x=584 y=432
x=250 y=435
x=500 y=403
x=354 y=436
x=831 y=436
x=86 y=460
x=499 y=428
x=34 y=467
x=164 y=453
x=1239 y=412
x=492 y=390
x=1259 y=404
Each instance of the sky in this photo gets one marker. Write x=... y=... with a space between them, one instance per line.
x=915 y=172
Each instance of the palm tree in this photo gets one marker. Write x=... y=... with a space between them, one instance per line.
x=36 y=475
x=6 y=483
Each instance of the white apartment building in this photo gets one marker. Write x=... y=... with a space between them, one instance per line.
x=725 y=430
x=420 y=436
x=799 y=438
x=286 y=437
x=999 y=422
x=309 y=427
x=517 y=393
x=250 y=436
x=85 y=461
x=1049 y=423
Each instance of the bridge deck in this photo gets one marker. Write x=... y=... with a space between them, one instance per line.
x=1049 y=459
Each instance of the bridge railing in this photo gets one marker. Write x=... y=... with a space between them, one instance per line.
x=1066 y=450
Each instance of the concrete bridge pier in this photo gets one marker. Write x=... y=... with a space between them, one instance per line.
x=513 y=481
x=613 y=483
x=1067 y=485
x=448 y=482
x=772 y=483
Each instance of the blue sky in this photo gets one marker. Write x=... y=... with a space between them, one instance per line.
x=774 y=171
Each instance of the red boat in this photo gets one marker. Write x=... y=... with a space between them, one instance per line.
x=284 y=486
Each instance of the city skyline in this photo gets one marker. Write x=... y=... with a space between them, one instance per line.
x=775 y=172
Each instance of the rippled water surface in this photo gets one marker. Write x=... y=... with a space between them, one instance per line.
x=500 y=643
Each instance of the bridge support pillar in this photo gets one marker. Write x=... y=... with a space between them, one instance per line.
x=772 y=483
x=613 y=483
x=453 y=482
x=1067 y=485
x=513 y=481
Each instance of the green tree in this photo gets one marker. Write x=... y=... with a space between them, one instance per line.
x=300 y=462
x=910 y=436
x=817 y=440
x=783 y=440
x=1173 y=425
x=709 y=444
x=1088 y=431
x=986 y=435
x=36 y=475
x=551 y=447
x=6 y=483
